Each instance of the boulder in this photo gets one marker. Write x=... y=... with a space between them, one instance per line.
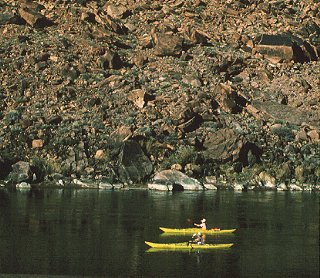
x=267 y=181
x=139 y=97
x=314 y=135
x=110 y=60
x=33 y=5
x=160 y=185
x=167 y=45
x=271 y=109
x=34 y=18
x=100 y=154
x=282 y=187
x=294 y=187
x=134 y=165
x=238 y=187
x=23 y=185
x=117 y=12
x=21 y=172
x=174 y=180
x=84 y=183
x=37 y=143
x=192 y=80
x=139 y=59
x=284 y=47
x=118 y=186
x=228 y=99
x=197 y=36
x=223 y=145
x=105 y=185
x=123 y=133
x=112 y=23
x=210 y=182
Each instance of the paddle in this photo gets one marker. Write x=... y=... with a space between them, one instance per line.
x=190 y=222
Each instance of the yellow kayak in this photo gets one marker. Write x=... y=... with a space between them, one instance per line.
x=191 y=231
x=187 y=246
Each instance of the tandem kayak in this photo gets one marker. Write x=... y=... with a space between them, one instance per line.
x=187 y=246
x=191 y=231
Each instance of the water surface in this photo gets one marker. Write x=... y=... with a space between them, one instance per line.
x=101 y=233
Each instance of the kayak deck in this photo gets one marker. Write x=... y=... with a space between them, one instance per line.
x=187 y=246
x=196 y=230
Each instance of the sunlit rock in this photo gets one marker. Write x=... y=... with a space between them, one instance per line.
x=238 y=187
x=105 y=185
x=160 y=185
x=177 y=180
x=118 y=186
x=267 y=181
x=23 y=185
x=294 y=187
x=282 y=187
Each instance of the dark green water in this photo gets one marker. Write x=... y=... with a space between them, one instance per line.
x=101 y=233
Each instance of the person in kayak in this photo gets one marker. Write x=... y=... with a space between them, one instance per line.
x=197 y=239
x=202 y=225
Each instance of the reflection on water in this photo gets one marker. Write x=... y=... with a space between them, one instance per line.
x=102 y=233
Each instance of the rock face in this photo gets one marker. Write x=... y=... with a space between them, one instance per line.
x=174 y=180
x=116 y=91
x=134 y=166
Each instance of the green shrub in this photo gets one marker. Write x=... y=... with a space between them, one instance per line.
x=183 y=155
x=43 y=167
x=12 y=117
x=284 y=133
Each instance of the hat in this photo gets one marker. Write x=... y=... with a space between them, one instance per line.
x=203 y=220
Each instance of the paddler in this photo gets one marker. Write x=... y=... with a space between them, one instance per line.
x=197 y=238
x=203 y=224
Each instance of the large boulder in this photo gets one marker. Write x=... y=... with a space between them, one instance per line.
x=33 y=17
x=285 y=47
x=266 y=181
x=174 y=180
x=167 y=44
x=273 y=110
x=223 y=145
x=21 y=172
x=134 y=165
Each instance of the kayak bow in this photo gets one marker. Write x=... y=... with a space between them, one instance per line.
x=187 y=231
x=186 y=246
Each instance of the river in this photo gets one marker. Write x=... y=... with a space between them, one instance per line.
x=101 y=233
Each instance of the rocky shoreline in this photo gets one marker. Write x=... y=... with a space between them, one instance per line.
x=168 y=95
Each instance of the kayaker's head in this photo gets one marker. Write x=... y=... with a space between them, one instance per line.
x=203 y=220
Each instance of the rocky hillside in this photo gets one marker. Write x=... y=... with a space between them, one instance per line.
x=119 y=90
